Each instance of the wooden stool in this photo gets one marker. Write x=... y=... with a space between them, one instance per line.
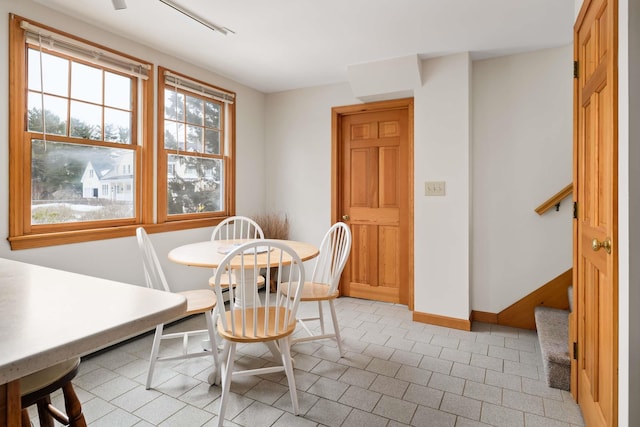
x=37 y=387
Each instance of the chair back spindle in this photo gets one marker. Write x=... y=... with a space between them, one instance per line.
x=334 y=251
x=236 y=228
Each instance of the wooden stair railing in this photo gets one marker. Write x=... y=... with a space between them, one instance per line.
x=555 y=200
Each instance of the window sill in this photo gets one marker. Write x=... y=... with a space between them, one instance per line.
x=31 y=241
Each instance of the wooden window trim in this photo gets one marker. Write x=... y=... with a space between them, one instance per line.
x=228 y=139
x=21 y=233
x=146 y=203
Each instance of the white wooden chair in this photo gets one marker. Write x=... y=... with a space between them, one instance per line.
x=199 y=301
x=250 y=319
x=235 y=228
x=334 y=252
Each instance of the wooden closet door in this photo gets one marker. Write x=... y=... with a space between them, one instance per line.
x=375 y=176
x=595 y=323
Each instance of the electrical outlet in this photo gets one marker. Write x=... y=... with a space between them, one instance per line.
x=434 y=188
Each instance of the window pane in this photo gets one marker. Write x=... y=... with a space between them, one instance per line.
x=75 y=183
x=194 y=110
x=194 y=139
x=193 y=185
x=86 y=120
x=86 y=83
x=173 y=105
x=55 y=112
x=117 y=91
x=173 y=135
x=117 y=126
x=212 y=115
x=55 y=74
x=212 y=142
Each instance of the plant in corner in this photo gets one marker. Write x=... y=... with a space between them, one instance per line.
x=274 y=226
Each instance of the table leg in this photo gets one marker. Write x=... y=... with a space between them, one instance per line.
x=244 y=287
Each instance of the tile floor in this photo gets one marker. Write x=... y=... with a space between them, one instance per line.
x=396 y=372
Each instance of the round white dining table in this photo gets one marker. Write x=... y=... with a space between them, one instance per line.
x=211 y=252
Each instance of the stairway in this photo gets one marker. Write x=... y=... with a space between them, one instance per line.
x=552 y=325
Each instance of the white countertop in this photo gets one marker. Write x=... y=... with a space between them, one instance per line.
x=48 y=316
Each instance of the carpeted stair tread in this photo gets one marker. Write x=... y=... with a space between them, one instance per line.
x=553 y=333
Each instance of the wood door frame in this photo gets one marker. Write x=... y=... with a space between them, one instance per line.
x=336 y=179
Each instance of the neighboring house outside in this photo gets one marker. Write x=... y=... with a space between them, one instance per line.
x=200 y=172
x=109 y=180
x=113 y=180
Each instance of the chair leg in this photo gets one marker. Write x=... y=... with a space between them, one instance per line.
x=215 y=377
x=155 y=348
x=336 y=328
x=226 y=368
x=215 y=315
x=73 y=407
x=288 y=368
x=321 y=317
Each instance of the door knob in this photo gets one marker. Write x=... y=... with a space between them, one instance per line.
x=345 y=217
x=605 y=244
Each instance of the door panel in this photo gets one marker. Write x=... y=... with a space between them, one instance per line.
x=595 y=181
x=389 y=172
x=374 y=182
x=363 y=166
x=363 y=260
x=389 y=239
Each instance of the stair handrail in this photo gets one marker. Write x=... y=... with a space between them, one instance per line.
x=555 y=200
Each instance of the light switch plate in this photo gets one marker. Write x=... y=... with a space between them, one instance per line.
x=434 y=188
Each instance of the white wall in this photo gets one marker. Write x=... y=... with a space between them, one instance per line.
x=523 y=150
x=117 y=259
x=443 y=153
x=298 y=135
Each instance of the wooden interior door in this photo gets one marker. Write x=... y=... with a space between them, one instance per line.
x=373 y=146
x=595 y=321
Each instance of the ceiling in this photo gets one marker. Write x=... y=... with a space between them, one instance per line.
x=287 y=44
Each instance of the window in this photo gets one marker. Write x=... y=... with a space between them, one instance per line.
x=82 y=158
x=193 y=148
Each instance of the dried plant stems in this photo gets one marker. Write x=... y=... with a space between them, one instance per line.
x=274 y=225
